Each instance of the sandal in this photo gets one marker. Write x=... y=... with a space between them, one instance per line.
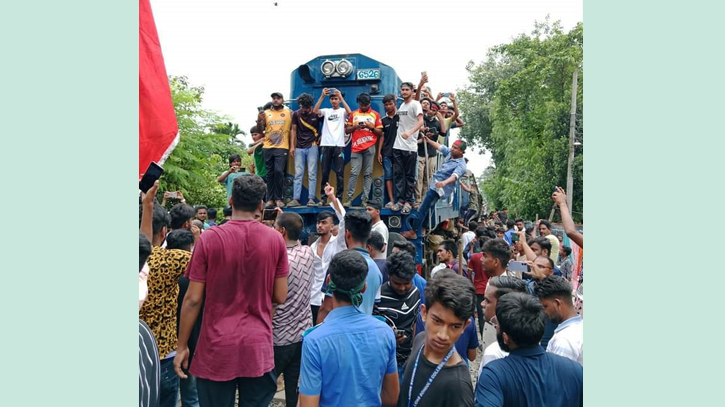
x=395 y=208
x=406 y=209
x=311 y=202
x=389 y=205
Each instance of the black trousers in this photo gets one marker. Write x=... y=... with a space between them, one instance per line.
x=275 y=159
x=315 y=310
x=287 y=360
x=404 y=166
x=331 y=160
x=253 y=391
x=479 y=309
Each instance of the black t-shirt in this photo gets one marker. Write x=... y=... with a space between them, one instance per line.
x=451 y=388
x=305 y=135
x=390 y=130
x=401 y=310
x=435 y=128
x=196 y=330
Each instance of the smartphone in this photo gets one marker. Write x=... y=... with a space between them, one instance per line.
x=173 y=195
x=399 y=332
x=514 y=237
x=518 y=266
x=331 y=91
x=424 y=73
x=242 y=169
x=153 y=173
x=447 y=94
x=269 y=214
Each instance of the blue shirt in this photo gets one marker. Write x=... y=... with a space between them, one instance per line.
x=467 y=340
x=345 y=359
x=374 y=280
x=229 y=181
x=507 y=237
x=531 y=377
x=449 y=167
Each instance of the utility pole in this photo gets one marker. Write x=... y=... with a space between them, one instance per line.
x=572 y=132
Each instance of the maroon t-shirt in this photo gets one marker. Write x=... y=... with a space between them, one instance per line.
x=238 y=261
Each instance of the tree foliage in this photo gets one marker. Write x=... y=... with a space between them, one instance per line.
x=207 y=140
x=517 y=106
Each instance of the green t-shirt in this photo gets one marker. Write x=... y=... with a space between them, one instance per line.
x=229 y=181
x=259 y=167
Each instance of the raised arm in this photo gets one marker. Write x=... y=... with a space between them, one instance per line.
x=147 y=212
x=342 y=99
x=261 y=122
x=316 y=109
x=456 y=113
x=569 y=227
x=530 y=255
x=423 y=81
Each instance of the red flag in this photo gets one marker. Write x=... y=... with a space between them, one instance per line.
x=158 y=132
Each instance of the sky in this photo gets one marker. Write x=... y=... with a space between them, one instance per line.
x=242 y=51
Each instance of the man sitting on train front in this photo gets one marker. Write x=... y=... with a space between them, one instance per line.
x=442 y=185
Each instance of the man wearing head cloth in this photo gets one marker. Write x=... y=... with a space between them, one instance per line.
x=441 y=186
x=349 y=360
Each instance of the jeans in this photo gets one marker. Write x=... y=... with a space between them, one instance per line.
x=288 y=360
x=362 y=160
x=388 y=168
x=404 y=168
x=424 y=175
x=189 y=396
x=253 y=391
x=331 y=160
x=306 y=156
x=169 y=389
x=419 y=215
x=275 y=159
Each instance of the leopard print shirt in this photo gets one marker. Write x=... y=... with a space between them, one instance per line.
x=159 y=309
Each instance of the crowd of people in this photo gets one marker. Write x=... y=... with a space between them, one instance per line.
x=228 y=306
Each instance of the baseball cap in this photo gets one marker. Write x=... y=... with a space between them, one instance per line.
x=279 y=95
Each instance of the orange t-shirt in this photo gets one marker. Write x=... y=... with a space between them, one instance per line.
x=364 y=139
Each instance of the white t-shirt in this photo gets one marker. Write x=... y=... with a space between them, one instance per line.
x=491 y=353
x=467 y=237
x=568 y=340
x=383 y=230
x=408 y=114
x=333 y=128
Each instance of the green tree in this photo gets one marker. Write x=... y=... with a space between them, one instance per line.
x=207 y=140
x=517 y=106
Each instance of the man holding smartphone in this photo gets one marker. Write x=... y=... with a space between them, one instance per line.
x=332 y=142
x=227 y=177
x=366 y=126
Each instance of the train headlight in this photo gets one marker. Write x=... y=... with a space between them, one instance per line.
x=344 y=67
x=328 y=68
